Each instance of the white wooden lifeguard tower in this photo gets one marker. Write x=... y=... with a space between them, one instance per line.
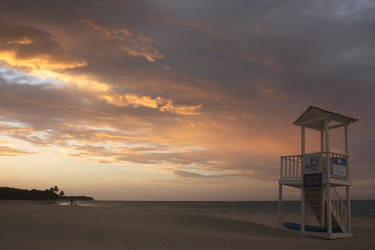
x=320 y=175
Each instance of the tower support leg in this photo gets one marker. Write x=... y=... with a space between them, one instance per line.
x=348 y=210
x=322 y=209
x=329 y=213
x=303 y=208
x=280 y=210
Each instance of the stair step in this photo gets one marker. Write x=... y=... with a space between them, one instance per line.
x=314 y=199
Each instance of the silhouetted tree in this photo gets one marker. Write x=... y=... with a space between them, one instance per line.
x=54 y=189
x=62 y=193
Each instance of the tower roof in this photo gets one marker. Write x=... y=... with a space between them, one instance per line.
x=315 y=118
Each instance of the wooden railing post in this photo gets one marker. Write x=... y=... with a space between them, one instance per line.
x=303 y=200
x=281 y=167
x=328 y=173
x=348 y=198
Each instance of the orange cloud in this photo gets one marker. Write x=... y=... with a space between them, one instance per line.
x=181 y=109
x=225 y=141
x=126 y=41
x=39 y=54
x=22 y=41
x=47 y=67
x=146 y=101
x=164 y=105
x=38 y=63
x=80 y=81
x=8 y=151
x=32 y=49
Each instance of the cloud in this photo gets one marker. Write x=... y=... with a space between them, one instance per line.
x=187 y=174
x=265 y=60
x=181 y=109
x=26 y=47
x=21 y=41
x=40 y=63
x=133 y=100
x=79 y=123
x=52 y=64
x=271 y=93
x=40 y=54
x=8 y=151
x=126 y=41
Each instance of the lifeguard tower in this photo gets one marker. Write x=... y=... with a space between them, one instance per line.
x=323 y=177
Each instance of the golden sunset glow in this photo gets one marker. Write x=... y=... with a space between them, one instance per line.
x=146 y=101
x=37 y=64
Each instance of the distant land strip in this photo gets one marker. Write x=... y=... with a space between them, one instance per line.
x=7 y=193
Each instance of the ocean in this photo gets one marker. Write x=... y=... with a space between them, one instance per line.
x=360 y=208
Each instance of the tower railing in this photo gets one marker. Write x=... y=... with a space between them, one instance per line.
x=291 y=166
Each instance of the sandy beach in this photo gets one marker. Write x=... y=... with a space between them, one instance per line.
x=34 y=225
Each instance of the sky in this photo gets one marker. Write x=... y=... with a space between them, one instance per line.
x=179 y=100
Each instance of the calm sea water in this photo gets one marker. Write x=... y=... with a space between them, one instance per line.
x=360 y=208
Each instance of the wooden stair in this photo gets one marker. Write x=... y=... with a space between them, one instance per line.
x=316 y=199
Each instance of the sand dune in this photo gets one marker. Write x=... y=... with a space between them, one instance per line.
x=46 y=226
